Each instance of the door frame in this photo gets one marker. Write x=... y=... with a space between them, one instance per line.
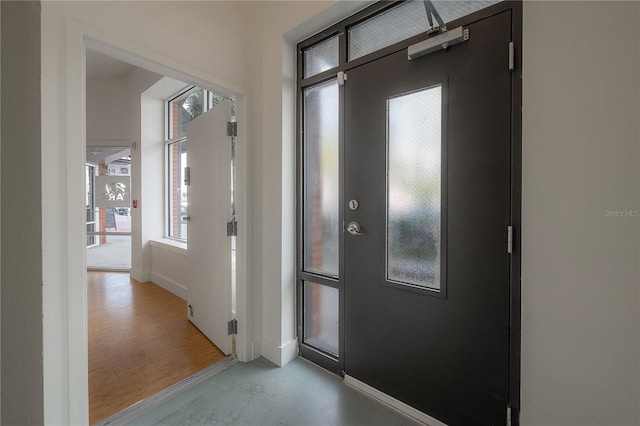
x=516 y=9
x=72 y=360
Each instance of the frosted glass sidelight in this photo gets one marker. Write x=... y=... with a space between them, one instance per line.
x=321 y=203
x=321 y=57
x=414 y=188
x=321 y=310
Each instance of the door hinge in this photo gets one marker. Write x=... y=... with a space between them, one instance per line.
x=232 y=228
x=512 y=54
x=342 y=78
x=508 y=415
x=232 y=327
x=510 y=239
x=187 y=176
x=232 y=128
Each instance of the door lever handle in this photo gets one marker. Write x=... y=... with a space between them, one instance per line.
x=186 y=218
x=354 y=228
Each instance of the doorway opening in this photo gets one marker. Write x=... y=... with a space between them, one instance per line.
x=137 y=191
x=108 y=207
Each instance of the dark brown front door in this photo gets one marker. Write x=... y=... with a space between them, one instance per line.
x=426 y=274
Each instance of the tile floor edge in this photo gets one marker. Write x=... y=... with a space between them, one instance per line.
x=141 y=407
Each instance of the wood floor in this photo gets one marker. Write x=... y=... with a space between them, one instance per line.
x=140 y=342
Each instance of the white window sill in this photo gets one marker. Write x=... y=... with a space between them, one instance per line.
x=169 y=244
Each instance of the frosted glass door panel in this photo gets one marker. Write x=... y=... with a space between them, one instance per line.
x=321 y=203
x=414 y=188
x=321 y=304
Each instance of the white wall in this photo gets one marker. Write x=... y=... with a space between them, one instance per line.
x=169 y=267
x=580 y=344
x=148 y=217
x=107 y=108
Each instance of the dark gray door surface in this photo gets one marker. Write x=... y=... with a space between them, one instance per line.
x=427 y=157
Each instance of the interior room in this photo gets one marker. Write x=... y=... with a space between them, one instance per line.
x=142 y=339
x=570 y=232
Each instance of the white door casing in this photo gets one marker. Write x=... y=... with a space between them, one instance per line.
x=209 y=208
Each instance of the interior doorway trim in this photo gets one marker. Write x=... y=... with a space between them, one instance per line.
x=65 y=337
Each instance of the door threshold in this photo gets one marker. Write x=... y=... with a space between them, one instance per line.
x=108 y=269
x=391 y=402
x=141 y=407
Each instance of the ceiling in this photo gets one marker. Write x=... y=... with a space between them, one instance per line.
x=100 y=66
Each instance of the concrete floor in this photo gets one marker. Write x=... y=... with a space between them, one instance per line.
x=259 y=393
x=116 y=252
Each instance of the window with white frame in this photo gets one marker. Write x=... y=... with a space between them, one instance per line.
x=181 y=109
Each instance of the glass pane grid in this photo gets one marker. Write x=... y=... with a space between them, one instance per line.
x=321 y=178
x=321 y=57
x=321 y=314
x=414 y=188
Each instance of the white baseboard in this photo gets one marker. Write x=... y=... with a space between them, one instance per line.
x=139 y=276
x=256 y=349
x=169 y=285
x=289 y=351
x=391 y=402
x=280 y=355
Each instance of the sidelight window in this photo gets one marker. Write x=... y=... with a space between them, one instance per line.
x=321 y=311
x=321 y=174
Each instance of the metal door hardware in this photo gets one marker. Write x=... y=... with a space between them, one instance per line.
x=354 y=228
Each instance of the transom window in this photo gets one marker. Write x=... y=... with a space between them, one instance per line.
x=399 y=22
